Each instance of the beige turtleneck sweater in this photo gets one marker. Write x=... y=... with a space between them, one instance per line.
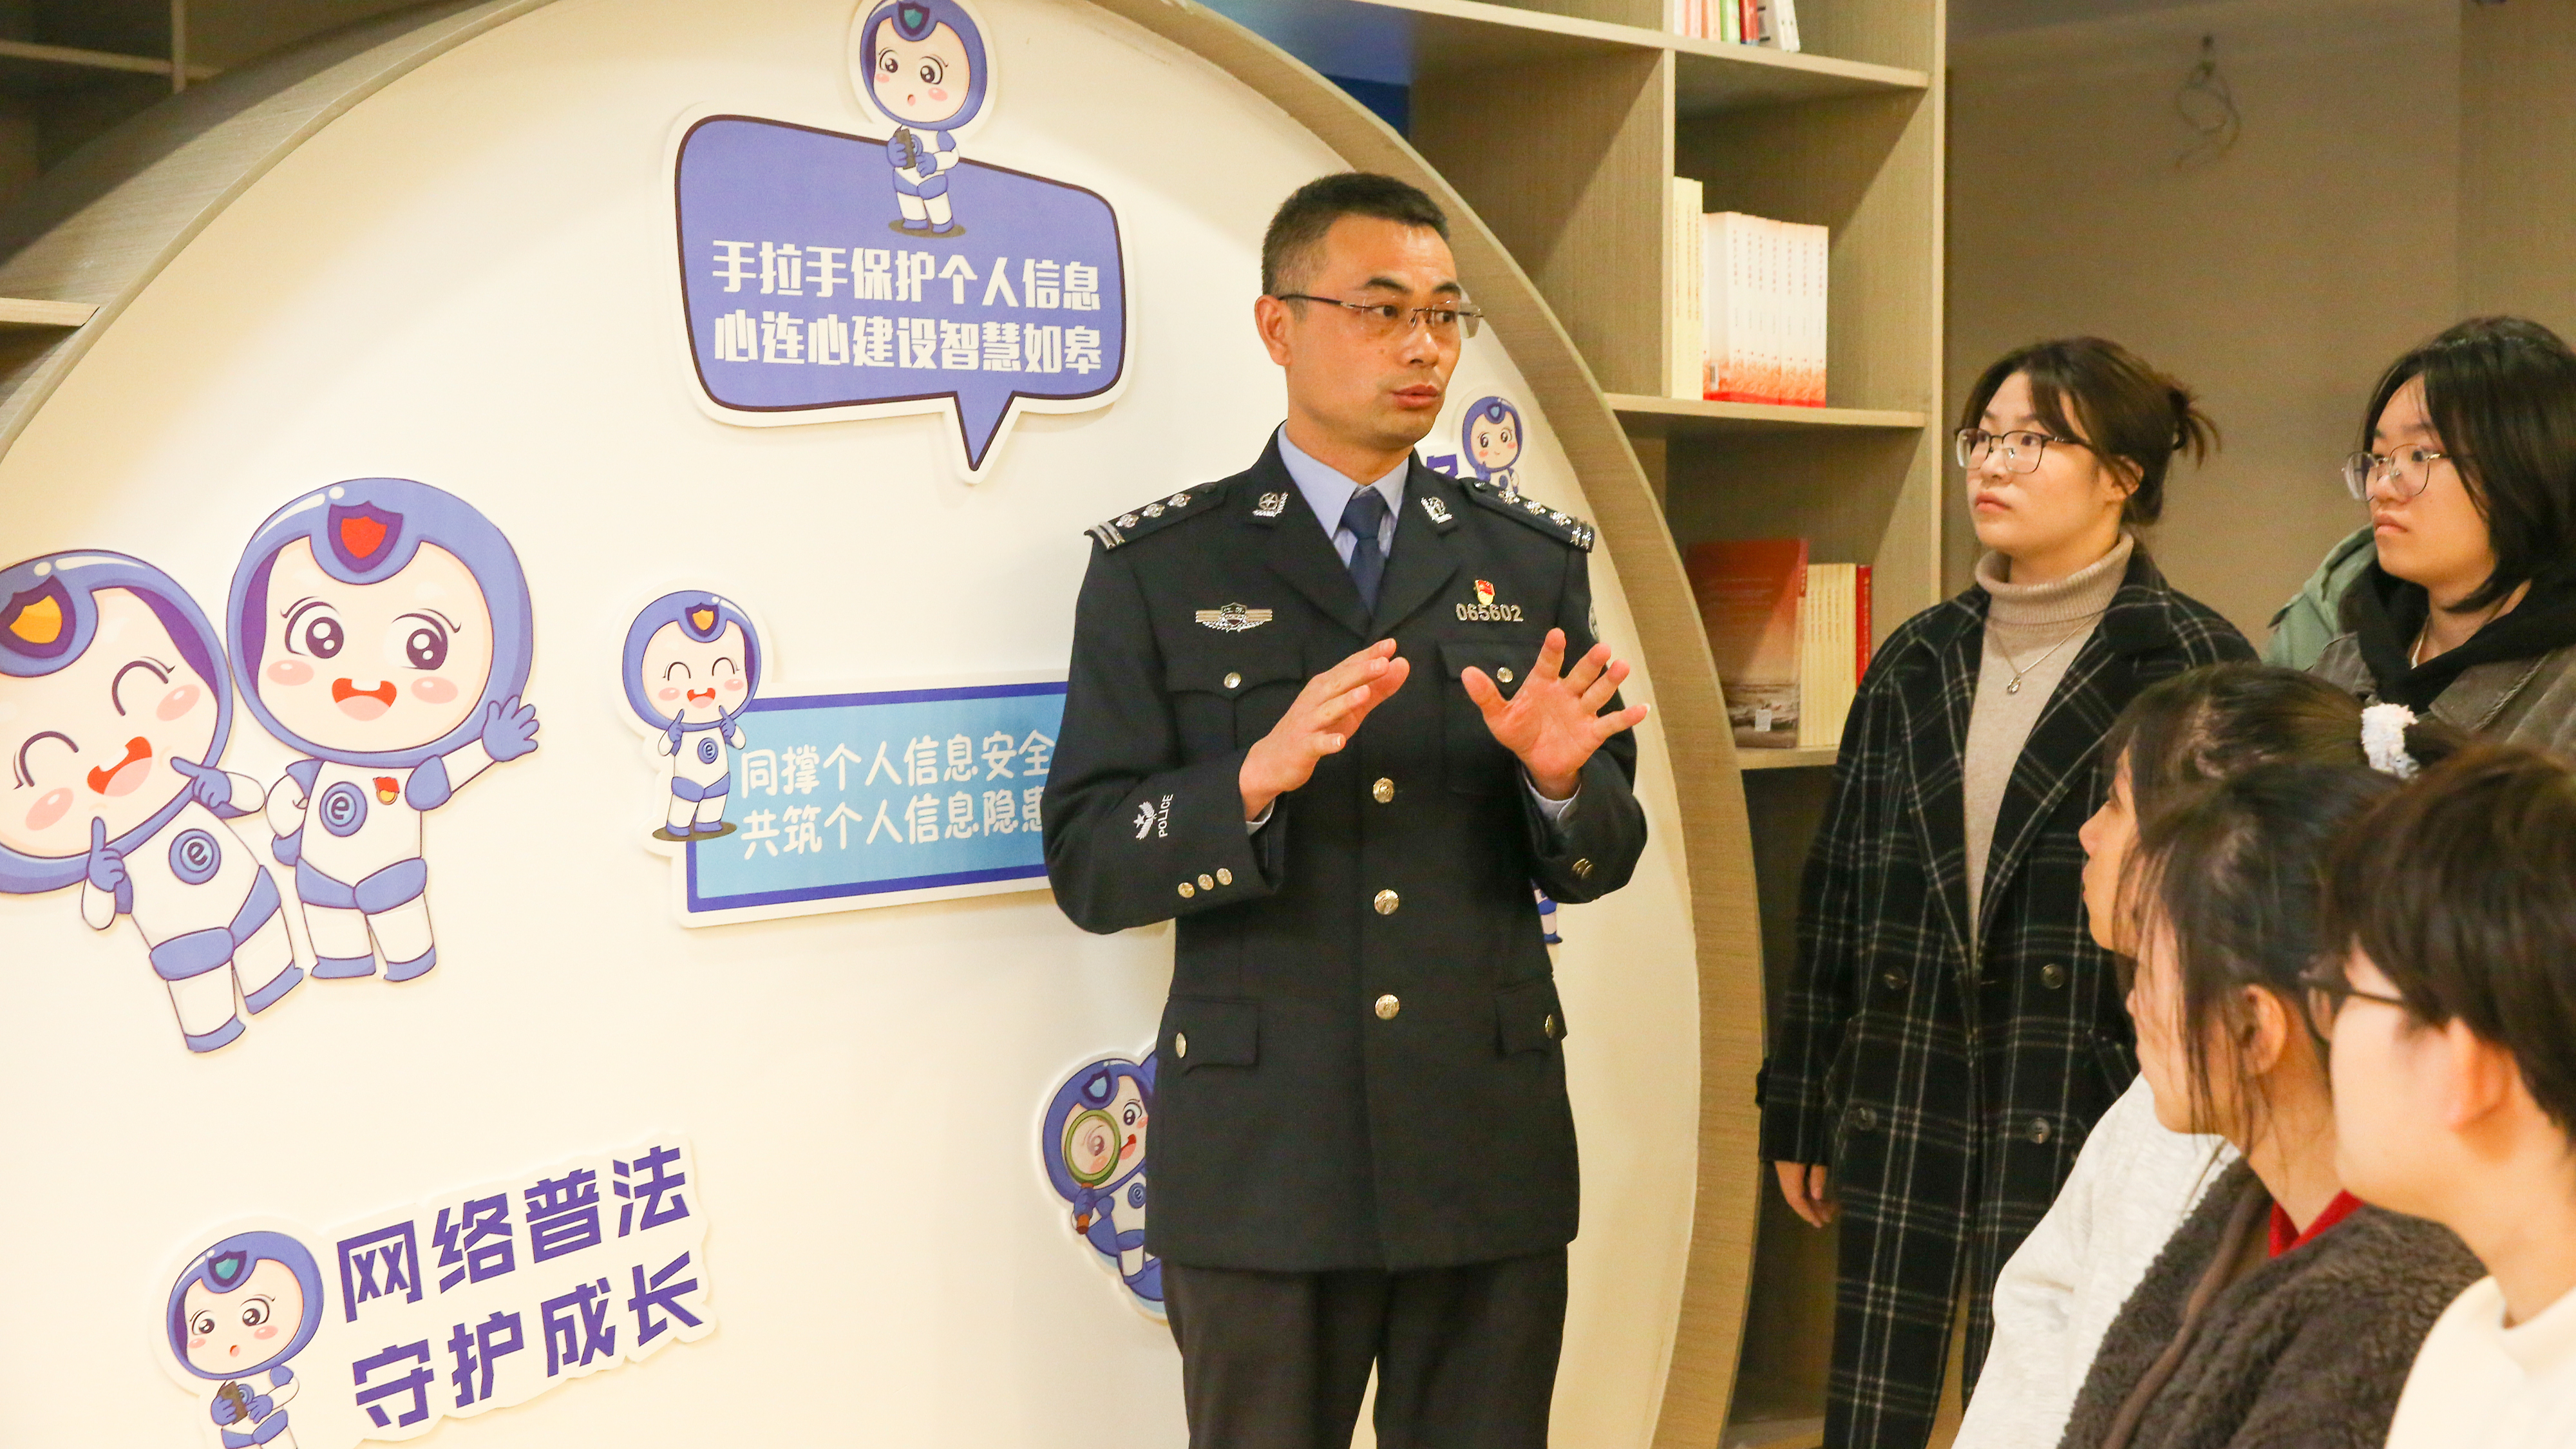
x=2037 y=629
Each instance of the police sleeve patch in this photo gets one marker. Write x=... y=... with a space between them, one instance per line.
x=1556 y=523
x=1135 y=523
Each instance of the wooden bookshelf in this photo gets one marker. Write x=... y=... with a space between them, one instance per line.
x=31 y=312
x=1784 y=759
x=1666 y=416
x=1560 y=123
x=1567 y=159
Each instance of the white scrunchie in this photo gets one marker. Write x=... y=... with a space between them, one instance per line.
x=2383 y=739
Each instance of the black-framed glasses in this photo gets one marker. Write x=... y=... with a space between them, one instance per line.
x=2408 y=471
x=2021 y=449
x=1386 y=321
x=2329 y=989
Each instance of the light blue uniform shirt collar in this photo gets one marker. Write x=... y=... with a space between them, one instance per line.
x=1328 y=493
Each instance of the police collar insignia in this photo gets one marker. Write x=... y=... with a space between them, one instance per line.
x=1436 y=507
x=1272 y=504
x=1234 y=618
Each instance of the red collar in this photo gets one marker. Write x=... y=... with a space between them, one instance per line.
x=2286 y=1235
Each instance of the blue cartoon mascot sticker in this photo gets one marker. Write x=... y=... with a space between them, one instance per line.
x=691 y=664
x=1092 y=1140
x=925 y=66
x=115 y=704
x=382 y=627
x=239 y=1311
x=1491 y=440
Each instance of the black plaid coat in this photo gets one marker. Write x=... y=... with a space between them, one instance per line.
x=1949 y=1088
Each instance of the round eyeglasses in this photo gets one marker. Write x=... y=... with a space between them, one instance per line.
x=2021 y=450
x=2407 y=472
x=1386 y=321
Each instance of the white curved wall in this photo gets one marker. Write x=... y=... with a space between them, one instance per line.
x=467 y=280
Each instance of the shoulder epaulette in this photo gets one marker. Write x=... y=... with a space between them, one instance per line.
x=1161 y=513
x=1556 y=523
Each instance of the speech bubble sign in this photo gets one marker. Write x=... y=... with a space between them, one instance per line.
x=808 y=301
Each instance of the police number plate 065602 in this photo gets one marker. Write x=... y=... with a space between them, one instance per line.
x=842 y=801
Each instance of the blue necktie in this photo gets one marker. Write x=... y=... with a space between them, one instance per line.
x=1362 y=516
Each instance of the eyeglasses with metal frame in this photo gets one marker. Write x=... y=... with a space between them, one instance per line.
x=2022 y=449
x=2409 y=471
x=1389 y=320
x=2329 y=988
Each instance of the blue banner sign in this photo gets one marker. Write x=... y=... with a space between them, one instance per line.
x=840 y=801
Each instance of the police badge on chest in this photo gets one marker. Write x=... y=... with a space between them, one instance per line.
x=1485 y=610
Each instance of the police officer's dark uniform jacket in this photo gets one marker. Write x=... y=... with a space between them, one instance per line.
x=1359 y=1063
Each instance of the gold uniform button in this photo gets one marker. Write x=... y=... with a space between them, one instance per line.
x=1188 y=890
x=1224 y=876
x=1583 y=869
x=1504 y=675
x=1383 y=791
x=1207 y=883
x=1386 y=902
x=1234 y=681
x=1388 y=1006
x=1180 y=1043
x=1549 y=1026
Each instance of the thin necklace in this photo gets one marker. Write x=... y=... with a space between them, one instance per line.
x=2424 y=635
x=2083 y=626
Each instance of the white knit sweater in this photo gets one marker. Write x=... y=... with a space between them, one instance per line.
x=2133 y=1184
x=2480 y=1385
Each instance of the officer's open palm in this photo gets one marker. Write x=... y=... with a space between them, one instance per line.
x=1319 y=723
x=1555 y=722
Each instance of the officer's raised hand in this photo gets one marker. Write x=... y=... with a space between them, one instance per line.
x=1555 y=722
x=1320 y=722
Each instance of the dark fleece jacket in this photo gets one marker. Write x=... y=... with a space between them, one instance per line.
x=2308 y=1349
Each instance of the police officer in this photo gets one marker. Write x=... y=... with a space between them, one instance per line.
x=1363 y=1152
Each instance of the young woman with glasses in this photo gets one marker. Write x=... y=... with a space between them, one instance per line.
x=2136 y=1179
x=1952 y=1031
x=2452 y=992
x=2468 y=466
x=2283 y=1311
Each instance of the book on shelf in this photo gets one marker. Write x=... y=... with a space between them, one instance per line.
x=1684 y=288
x=1745 y=22
x=1763 y=299
x=1790 y=638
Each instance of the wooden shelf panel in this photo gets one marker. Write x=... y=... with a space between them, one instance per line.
x=1715 y=76
x=1712 y=76
x=29 y=312
x=1692 y=417
x=1750 y=759
x=1774 y=1434
x=1405 y=39
x=27 y=68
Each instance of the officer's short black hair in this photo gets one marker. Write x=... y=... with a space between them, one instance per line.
x=1298 y=227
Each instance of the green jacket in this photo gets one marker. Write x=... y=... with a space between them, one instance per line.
x=2312 y=617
